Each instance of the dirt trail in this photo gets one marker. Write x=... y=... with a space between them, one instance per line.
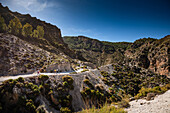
x=3 y=78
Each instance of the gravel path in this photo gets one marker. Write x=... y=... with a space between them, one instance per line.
x=3 y=78
x=161 y=104
x=29 y=75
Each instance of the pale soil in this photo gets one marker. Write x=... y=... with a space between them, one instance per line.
x=3 y=78
x=160 y=104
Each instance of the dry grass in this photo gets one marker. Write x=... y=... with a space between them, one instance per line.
x=105 y=109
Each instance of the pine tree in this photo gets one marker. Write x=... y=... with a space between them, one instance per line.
x=40 y=30
x=3 y=26
x=15 y=26
x=27 y=30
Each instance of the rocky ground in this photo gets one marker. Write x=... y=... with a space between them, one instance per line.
x=160 y=104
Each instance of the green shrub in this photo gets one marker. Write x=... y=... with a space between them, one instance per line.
x=104 y=74
x=9 y=82
x=158 y=90
x=165 y=88
x=87 y=90
x=106 y=81
x=43 y=77
x=73 y=73
x=51 y=92
x=40 y=109
x=86 y=81
x=18 y=84
x=65 y=84
x=41 y=87
x=123 y=104
x=68 y=79
x=65 y=110
x=20 y=79
x=65 y=103
x=30 y=105
x=69 y=97
x=84 y=70
x=8 y=85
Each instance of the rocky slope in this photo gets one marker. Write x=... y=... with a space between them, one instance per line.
x=19 y=57
x=149 y=53
x=52 y=40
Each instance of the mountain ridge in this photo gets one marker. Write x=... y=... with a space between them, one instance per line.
x=137 y=53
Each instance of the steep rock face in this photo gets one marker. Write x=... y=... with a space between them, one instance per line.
x=151 y=54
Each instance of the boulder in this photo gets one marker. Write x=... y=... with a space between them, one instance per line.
x=150 y=96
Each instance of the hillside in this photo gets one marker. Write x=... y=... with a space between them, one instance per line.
x=148 y=53
x=97 y=52
x=51 y=41
x=111 y=84
x=20 y=57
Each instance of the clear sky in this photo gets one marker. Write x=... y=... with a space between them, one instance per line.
x=106 y=20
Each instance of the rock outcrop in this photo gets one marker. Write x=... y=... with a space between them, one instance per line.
x=151 y=54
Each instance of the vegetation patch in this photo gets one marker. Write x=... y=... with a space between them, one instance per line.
x=157 y=90
x=84 y=70
x=104 y=109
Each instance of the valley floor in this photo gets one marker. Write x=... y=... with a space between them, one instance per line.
x=160 y=104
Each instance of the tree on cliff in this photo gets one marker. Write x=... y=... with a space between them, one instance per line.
x=39 y=32
x=27 y=30
x=15 y=26
x=3 y=26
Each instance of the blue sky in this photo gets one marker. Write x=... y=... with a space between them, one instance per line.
x=106 y=20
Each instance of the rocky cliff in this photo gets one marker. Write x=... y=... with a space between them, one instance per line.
x=152 y=54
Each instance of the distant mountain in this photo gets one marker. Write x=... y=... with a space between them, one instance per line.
x=148 y=53
x=97 y=52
